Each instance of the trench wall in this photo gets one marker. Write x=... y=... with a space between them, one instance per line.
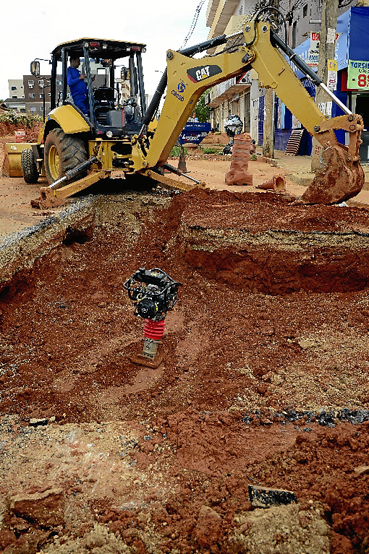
x=20 y=252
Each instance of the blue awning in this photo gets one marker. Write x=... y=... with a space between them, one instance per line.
x=358 y=36
x=353 y=40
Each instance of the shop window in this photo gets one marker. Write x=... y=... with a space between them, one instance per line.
x=281 y=115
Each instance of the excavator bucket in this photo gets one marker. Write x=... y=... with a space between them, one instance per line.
x=335 y=180
x=340 y=175
x=12 y=166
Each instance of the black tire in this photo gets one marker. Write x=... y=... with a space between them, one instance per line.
x=62 y=153
x=29 y=166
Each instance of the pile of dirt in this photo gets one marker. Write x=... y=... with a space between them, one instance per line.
x=256 y=388
x=215 y=138
x=197 y=153
x=8 y=130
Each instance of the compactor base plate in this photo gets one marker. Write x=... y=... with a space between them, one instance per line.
x=142 y=360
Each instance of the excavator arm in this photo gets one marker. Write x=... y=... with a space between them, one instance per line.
x=340 y=175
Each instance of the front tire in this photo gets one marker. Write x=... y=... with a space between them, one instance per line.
x=63 y=153
x=29 y=166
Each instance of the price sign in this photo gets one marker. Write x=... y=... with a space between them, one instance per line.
x=313 y=55
x=358 y=75
x=332 y=74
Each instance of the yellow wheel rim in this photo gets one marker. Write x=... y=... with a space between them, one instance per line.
x=54 y=162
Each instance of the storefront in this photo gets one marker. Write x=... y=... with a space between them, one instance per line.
x=351 y=85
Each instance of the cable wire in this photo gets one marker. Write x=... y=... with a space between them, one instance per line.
x=193 y=24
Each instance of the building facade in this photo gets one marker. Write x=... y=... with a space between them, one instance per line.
x=16 y=100
x=37 y=93
x=246 y=98
x=16 y=88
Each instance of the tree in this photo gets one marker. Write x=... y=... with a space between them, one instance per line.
x=201 y=111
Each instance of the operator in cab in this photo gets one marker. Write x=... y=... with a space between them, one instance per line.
x=77 y=85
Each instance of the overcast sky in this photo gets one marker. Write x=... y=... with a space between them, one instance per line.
x=32 y=30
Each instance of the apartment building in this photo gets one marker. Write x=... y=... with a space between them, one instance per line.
x=16 y=100
x=37 y=93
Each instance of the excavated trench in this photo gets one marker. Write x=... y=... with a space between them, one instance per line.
x=264 y=382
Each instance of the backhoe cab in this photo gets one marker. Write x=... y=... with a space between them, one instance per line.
x=116 y=94
x=116 y=101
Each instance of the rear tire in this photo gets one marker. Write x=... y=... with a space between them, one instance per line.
x=62 y=153
x=29 y=166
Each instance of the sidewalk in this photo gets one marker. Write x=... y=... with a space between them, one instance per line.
x=298 y=169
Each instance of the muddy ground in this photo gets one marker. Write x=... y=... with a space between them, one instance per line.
x=264 y=383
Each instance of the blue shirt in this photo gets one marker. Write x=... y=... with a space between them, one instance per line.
x=78 y=89
x=76 y=85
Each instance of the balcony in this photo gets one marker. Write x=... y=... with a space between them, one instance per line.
x=218 y=15
x=228 y=90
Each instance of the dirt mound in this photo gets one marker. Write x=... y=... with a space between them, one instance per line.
x=8 y=130
x=197 y=153
x=215 y=138
x=257 y=388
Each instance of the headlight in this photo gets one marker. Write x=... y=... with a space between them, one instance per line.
x=109 y=134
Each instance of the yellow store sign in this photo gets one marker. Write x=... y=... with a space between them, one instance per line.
x=358 y=75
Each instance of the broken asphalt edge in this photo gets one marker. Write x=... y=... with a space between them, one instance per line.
x=19 y=250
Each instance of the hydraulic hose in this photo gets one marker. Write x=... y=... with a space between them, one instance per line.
x=190 y=51
x=300 y=64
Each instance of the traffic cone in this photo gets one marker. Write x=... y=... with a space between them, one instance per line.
x=182 y=161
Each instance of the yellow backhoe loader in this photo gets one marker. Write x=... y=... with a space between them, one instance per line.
x=75 y=150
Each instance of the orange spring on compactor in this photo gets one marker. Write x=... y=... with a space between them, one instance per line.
x=154 y=330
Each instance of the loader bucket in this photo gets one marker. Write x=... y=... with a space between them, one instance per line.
x=12 y=166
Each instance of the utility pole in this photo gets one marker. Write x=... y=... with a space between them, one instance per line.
x=268 y=137
x=327 y=49
x=269 y=99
